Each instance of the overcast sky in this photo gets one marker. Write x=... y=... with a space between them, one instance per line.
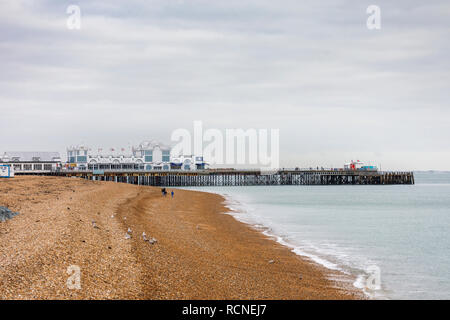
x=137 y=70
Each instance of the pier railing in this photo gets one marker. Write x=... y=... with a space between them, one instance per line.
x=249 y=177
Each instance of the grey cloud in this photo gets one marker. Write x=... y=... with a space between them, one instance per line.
x=140 y=69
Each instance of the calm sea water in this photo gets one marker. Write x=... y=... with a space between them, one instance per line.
x=402 y=231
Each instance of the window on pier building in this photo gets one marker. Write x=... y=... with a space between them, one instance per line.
x=27 y=167
x=47 y=167
x=81 y=159
x=166 y=155
x=165 y=167
x=148 y=155
x=37 y=166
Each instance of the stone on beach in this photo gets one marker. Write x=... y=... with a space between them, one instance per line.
x=6 y=214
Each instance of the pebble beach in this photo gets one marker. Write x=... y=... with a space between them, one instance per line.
x=130 y=242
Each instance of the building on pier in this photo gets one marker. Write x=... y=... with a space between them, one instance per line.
x=147 y=156
x=188 y=162
x=31 y=162
x=358 y=165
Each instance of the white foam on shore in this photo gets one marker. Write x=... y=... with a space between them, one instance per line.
x=243 y=213
x=240 y=209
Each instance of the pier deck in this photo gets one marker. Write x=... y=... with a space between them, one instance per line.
x=216 y=177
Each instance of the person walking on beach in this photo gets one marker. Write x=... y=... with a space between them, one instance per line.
x=172 y=193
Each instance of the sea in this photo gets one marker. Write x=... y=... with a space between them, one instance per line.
x=393 y=240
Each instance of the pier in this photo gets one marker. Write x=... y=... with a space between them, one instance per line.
x=217 y=177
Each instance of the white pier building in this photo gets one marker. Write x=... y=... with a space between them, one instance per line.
x=147 y=156
x=31 y=162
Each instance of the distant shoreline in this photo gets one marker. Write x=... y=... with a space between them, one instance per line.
x=198 y=253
